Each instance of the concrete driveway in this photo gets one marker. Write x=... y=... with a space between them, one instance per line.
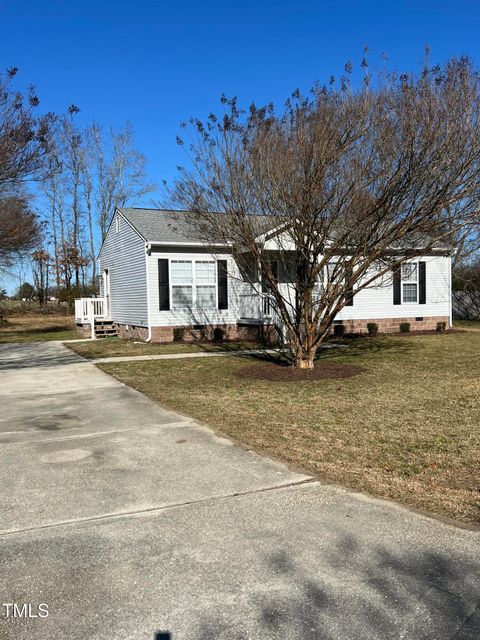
x=133 y=522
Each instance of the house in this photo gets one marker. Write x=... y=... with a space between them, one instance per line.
x=157 y=282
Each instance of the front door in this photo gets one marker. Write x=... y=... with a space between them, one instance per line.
x=106 y=292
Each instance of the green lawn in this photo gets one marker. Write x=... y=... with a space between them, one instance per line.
x=37 y=327
x=407 y=429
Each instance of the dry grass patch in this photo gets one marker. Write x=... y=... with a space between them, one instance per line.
x=408 y=428
x=37 y=327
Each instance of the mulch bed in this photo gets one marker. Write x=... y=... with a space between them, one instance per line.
x=283 y=373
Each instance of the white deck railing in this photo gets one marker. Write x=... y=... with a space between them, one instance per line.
x=256 y=306
x=88 y=310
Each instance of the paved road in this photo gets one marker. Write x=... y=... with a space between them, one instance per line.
x=133 y=522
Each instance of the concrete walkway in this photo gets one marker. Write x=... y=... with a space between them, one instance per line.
x=133 y=522
x=180 y=356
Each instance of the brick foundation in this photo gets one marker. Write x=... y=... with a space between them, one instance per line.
x=132 y=332
x=392 y=325
x=84 y=330
x=267 y=334
x=207 y=333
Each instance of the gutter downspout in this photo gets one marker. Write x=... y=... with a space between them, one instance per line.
x=149 y=324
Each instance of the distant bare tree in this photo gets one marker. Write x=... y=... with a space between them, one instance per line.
x=120 y=172
x=72 y=162
x=53 y=190
x=89 y=175
x=41 y=271
x=343 y=185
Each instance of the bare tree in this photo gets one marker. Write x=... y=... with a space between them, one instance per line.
x=53 y=189
x=340 y=188
x=88 y=184
x=40 y=271
x=120 y=172
x=24 y=139
x=73 y=161
x=24 y=136
x=89 y=175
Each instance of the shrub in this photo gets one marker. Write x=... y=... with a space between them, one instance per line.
x=218 y=334
x=372 y=328
x=178 y=333
x=441 y=326
x=404 y=327
x=338 y=330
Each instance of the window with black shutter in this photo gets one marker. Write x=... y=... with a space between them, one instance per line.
x=422 y=283
x=349 y=293
x=163 y=285
x=222 y=284
x=397 y=286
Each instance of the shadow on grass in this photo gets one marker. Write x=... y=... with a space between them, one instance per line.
x=342 y=348
x=358 y=346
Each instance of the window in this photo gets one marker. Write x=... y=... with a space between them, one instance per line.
x=410 y=282
x=329 y=275
x=205 y=285
x=193 y=284
x=181 y=280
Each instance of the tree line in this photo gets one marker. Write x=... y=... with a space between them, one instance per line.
x=80 y=174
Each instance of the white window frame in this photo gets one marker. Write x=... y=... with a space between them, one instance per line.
x=409 y=281
x=328 y=268
x=193 y=284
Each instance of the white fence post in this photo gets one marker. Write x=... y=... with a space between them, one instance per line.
x=92 y=319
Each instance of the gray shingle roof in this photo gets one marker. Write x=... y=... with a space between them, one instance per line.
x=166 y=225
x=160 y=225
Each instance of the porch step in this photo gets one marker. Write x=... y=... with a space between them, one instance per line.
x=105 y=329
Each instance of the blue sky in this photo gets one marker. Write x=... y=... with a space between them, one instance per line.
x=157 y=63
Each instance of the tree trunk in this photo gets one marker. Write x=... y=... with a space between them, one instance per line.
x=303 y=355
x=303 y=362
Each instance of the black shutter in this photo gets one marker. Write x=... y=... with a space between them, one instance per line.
x=273 y=264
x=397 y=286
x=349 y=293
x=422 y=282
x=274 y=267
x=163 y=285
x=222 y=284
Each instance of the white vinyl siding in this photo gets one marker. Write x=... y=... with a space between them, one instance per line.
x=372 y=303
x=202 y=309
x=377 y=301
x=123 y=254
